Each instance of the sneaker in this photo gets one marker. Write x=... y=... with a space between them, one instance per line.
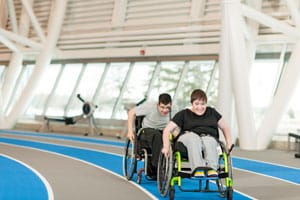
x=199 y=173
x=212 y=173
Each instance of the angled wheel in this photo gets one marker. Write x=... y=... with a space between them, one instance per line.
x=229 y=194
x=225 y=181
x=164 y=172
x=172 y=193
x=229 y=183
x=129 y=159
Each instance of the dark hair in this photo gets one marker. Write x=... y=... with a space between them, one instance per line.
x=198 y=94
x=164 y=98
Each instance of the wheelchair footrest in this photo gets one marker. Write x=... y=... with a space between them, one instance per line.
x=184 y=175
x=223 y=175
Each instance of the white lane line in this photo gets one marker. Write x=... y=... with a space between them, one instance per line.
x=41 y=177
x=260 y=161
x=273 y=177
x=265 y=175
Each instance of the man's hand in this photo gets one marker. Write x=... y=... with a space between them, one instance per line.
x=166 y=151
x=130 y=135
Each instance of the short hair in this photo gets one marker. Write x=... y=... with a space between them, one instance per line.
x=164 y=98
x=198 y=94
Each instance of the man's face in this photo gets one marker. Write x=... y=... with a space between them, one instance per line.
x=164 y=109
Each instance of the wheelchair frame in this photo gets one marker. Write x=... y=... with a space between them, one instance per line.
x=132 y=155
x=171 y=173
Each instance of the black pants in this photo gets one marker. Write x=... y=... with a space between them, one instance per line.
x=152 y=139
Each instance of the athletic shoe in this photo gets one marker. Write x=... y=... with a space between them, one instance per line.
x=199 y=173
x=212 y=173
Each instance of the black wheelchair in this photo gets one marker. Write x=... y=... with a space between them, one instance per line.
x=137 y=155
x=171 y=172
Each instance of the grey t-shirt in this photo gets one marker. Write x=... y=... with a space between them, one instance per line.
x=153 y=118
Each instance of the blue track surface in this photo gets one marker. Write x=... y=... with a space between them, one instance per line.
x=281 y=172
x=114 y=163
x=18 y=182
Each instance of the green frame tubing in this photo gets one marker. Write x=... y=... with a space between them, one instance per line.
x=229 y=181
x=177 y=178
x=226 y=157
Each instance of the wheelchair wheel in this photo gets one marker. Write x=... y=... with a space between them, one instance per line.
x=129 y=159
x=229 y=189
x=165 y=171
x=172 y=193
x=225 y=182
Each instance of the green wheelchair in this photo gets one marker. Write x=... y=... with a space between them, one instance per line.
x=171 y=172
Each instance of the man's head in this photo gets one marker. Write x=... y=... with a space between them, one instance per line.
x=164 y=104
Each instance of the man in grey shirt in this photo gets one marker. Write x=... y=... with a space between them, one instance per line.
x=156 y=116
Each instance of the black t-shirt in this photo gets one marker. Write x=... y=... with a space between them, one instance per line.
x=200 y=124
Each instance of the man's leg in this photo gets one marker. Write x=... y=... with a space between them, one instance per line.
x=156 y=147
x=154 y=139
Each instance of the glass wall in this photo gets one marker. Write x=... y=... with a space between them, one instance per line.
x=18 y=88
x=43 y=91
x=263 y=81
x=115 y=87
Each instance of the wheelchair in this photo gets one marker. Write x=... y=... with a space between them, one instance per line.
x=136 y=155
x=171 y=172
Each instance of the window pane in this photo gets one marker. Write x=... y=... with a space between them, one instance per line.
x=263 y=78
x=64 y=89
x=198 y=76
x=22 y=81
x=167 y=79
x=43 y=90
x=87 y=87
x=139 y=82
x=110 y=89
x=291 y=119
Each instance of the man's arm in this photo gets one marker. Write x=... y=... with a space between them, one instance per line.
x=130 y=120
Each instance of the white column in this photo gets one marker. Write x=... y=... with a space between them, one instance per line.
x=225 y=87
x=54 y=26
x=286 y=88
x=240 y=75
x=225 y=96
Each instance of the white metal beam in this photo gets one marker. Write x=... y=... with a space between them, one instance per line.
x=270 y=22
x=8 y=44
x=12 y=16
x=54 y=27
x=20 y=39
x=34 y=21
x=291 y=4
x=239 y=68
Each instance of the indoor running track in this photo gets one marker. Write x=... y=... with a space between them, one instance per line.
x=33 y=185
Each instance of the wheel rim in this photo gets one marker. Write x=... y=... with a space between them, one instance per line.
x=129 y=160
x=165 y=169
